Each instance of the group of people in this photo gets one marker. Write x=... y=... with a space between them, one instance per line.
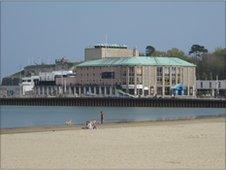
x=89 y=124
x=93 y=124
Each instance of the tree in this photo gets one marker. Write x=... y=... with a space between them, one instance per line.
x=159 y=54
x=149 y=50
x=174 y=52
x=198 y=51
x=212 y=65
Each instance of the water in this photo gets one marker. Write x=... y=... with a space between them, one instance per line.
x=24 y=116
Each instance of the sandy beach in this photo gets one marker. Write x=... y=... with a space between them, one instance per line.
x=193 y=144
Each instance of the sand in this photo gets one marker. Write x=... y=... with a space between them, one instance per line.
x=194 y=144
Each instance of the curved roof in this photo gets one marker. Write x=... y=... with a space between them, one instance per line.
x=140 y=60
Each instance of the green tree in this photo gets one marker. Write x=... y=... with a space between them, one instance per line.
x=198 y=51
x=174 y=52
x=212 y=65
x=149 y=50
x=159 y=54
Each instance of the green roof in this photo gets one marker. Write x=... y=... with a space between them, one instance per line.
x=139 y=60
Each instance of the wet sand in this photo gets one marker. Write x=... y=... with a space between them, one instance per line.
x=196 y=144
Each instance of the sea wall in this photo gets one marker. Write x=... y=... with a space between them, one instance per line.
x=115 y=102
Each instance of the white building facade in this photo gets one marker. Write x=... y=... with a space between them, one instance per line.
x=211 y=88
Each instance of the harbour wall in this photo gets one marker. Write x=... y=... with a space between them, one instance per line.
x=115 y=102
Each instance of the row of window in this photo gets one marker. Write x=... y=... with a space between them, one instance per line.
x=167 y=71
x=73 y=90
x=167 y=81
x=210 y=84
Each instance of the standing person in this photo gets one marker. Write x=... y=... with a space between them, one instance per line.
x=101 y=117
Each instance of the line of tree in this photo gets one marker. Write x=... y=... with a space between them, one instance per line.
x=209 y=64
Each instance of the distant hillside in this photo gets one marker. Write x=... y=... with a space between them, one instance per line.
x=33 y=70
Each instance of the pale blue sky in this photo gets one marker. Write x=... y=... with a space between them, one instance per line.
x=44 y=31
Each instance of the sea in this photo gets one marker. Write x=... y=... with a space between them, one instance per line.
x=28 y=116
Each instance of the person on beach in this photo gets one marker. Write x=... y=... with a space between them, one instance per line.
x=101 y=117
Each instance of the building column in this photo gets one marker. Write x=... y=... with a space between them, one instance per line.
x=59 y=90
x=39 y=90
x=110 y=90
x=84 y=90
x=94 y=90
x=142 y=90
x=89 y=90
x=135 y=81
x=163 y=81
x=74 y=93
x=149 y=84
x=43 y=90
x=155 y=84
x=105 y=90
x=194 y=91
x=188 y=91
x=127 y=79
x=48 y=92
x=170 y=76
x=79 y=90
x=212 y=90
x=69 y=90
x=100 y=92
x=113 y=91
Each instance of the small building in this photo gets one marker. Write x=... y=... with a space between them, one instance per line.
x=50 y=76
x=27 y=85
x=47 y=86
x=101 y=51
x=211 y=88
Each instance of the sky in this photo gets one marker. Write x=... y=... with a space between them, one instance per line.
x=44 y=31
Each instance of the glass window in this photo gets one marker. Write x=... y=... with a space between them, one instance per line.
x=159 y=71
x=173 y=71
x=210 y=84
x=167 y=81
x=131 y=80
x=159 y=90
x=102 y=90
x=166 y=71
x=139 y=80
x=107 y=75
x=178 y=80
x=167 y=90
x=178 y=71
x=159 y=80
x=145 y=92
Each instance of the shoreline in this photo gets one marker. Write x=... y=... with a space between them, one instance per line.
x=197 y=119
